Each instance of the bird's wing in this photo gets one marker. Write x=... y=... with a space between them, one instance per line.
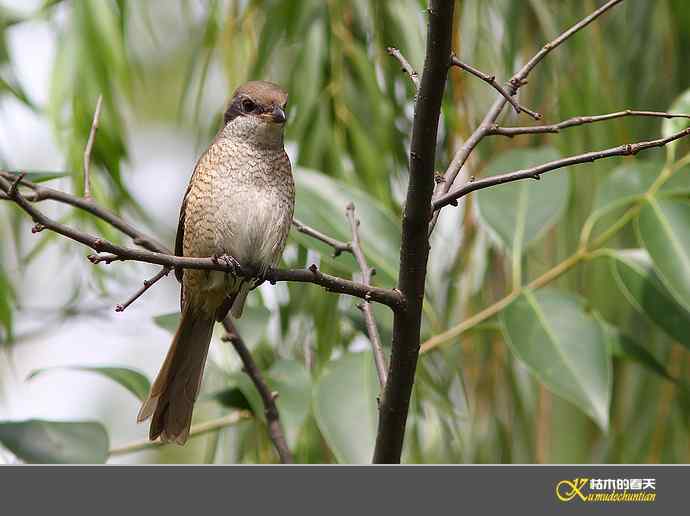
x=179 y=238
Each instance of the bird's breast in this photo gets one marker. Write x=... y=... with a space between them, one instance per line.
x=255 y=209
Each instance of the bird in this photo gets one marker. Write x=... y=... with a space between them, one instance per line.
x=239 y=207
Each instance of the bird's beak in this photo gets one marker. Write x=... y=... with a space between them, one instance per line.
x=278 y=115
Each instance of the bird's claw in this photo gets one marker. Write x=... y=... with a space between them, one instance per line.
x=264 y=276
x=233 y=265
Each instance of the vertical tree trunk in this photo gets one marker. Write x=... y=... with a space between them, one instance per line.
x=414 y=251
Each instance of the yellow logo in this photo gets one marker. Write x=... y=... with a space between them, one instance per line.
x=607 y=490
x=567 y=490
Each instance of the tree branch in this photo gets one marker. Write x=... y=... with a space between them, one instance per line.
x=491 y=80
x=365 y=307
x=389 y=297
x=147 y=285
x=512 y=86
x=337 y=245
x=578 y=120
x=196 y=430
x=535 y=172
x=275 y=428
x=414 y=251
x=42 y=193
x=89 y=148
x=405 y=64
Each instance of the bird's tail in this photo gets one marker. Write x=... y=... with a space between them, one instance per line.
x=176 y=387
x=239 y=300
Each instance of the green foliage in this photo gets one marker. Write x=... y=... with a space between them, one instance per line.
x=519 y=213
x=664 y=226
x=52 y=442
x=635 y=275
x=563 y=346
x=345 y=407
x=134 y=381
x=555 y=312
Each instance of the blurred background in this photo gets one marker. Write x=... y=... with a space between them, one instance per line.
x=165 y=70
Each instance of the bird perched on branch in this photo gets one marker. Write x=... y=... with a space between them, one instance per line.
x=238 y=207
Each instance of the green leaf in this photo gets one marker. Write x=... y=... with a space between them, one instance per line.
x=292 y=382
x=626 y=184
x=345 y=407
x=39 y=176
x=674 y=125
x=629 y=182
x=232 y=397
x=562 y=346
x=251 y=326
x=134 y=381
x=624 y=346
x=634 y=273
x=6 y=315
x=520 y=212
x=664 y=229
x=321 y=203
x=53 y=442
x=168 y=322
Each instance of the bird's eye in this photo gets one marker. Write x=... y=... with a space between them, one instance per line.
x=248 y=106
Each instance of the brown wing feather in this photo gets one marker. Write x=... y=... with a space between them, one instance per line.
x=179 y=238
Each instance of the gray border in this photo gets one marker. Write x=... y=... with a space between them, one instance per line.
x=418 y=490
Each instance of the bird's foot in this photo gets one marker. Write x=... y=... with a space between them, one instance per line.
x=264 y=275
x=233 y=265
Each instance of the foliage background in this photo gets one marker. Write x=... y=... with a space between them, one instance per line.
x=165 y=69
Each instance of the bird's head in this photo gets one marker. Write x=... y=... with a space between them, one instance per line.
x=257 y=113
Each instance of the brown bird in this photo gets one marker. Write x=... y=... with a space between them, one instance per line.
x=239 y=206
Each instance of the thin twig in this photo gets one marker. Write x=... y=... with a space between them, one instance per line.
x=521 y=76
x=12 y=192
x=89 y=148
x=491 y=80
x=196 y=430
x=578 y=120
x=406 y=66
x=389 y=297
x=147 y=285
x=512 y=86
x=535 y=172
x=365 y=306
x=337 y=245
x=275 y=428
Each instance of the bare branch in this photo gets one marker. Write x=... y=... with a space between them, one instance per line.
x=521 y=76
x=406 y=66
x=147 y=285
x=42 y=193
x=392 y=298
x=578 y=120
x=512 y=86
x=196 y=430
x=89 y=148
x=491 y=80
x=535 y=172
x=365 y=307
x=337 y=245
x=275 y=428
